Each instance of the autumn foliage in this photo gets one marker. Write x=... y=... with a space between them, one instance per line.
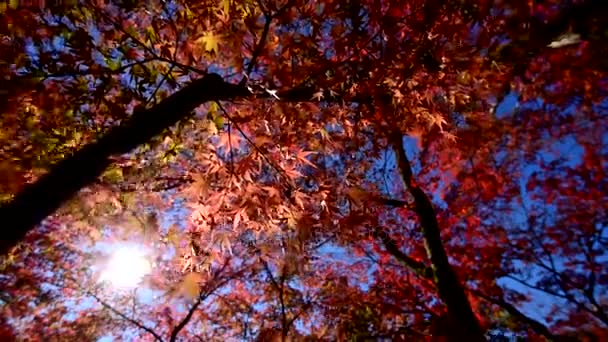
x=305 y=170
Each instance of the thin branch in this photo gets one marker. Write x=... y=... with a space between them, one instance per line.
x=143 y=45
x=136 y=323
x=281 y=299
x=202 y=297
x=279 y=170
x=231 y=149
x=260 y=45
x=73 y=72
x=268 y=16
x=153 y=95
x=517 y=314
x=185 y=320
x=392 y=202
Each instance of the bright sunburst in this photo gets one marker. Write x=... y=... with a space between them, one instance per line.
x=126 y=268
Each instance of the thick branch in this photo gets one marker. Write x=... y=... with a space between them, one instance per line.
x=425 y=272
x=464 y=322
x=67 y=177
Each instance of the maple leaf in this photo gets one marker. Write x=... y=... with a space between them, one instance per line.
x=199 y=185
x=291 y=172
x=301 y=156
x=190 y=285
x=357 y=194
x=318 y=96
x=230 y=140
x=210 y=42
x=437 y=119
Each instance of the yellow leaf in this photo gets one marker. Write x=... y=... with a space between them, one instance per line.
x=211 y=127
x=113 y=174
x=226 y=6
x=357 y=194
x=173 y=236
x=209 y=42
x=189 y=286
x=199 y=185
x=95 y=234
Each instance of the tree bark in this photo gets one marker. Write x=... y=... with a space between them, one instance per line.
x=463 y=326
x=40 y=199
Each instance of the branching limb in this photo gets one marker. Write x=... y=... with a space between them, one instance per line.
x=136 y=323
x=518 y=315
x=268 y=16
x=279 y=287
x=464 y=322
x=202 y=297
x=389 y=244
x=67 y=177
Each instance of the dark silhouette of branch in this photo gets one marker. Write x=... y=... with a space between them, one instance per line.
x=418 y=267
x=202 y=297
x=268 y=16
x=518 y=315
x=68 y=176
x=464 y=323
x=280 y=290
x=136 y=323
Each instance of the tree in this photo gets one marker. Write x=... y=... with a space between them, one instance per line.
x=278 y=140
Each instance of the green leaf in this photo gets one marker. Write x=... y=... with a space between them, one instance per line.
x=131 y=30
x=219 y=122
x=188 y=13
x=113 y=64
x=150 y=34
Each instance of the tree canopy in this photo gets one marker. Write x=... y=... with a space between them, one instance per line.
x=297 y=170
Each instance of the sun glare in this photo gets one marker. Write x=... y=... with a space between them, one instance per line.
x=126 y=268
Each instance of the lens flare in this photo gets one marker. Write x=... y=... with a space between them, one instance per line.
x=126 y=268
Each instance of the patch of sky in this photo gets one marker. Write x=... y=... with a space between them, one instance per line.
x=540 y=306
x=508 y=105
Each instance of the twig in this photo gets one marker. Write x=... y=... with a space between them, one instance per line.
x=145 y=46
x=281 y=299
x=138 y=324
x=260 y=45
x=258 y=149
